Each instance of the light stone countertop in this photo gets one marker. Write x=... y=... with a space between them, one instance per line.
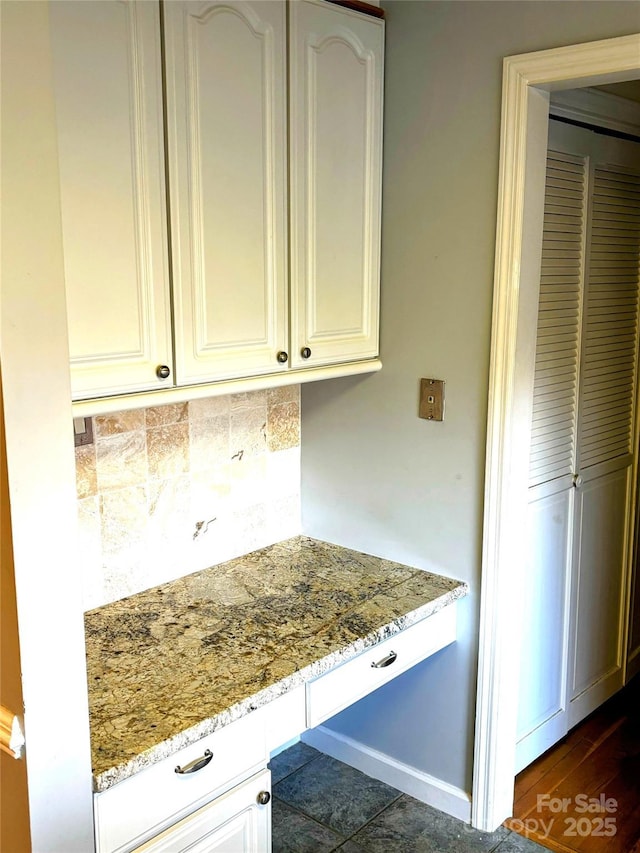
x=174 y=663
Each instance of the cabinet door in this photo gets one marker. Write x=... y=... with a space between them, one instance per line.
x=108 y=89
x=227 y=151
x=232 y=823
x=336 y=154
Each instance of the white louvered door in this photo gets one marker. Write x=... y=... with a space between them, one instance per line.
x=606 y=426
x=582 y=451
x=542 y=717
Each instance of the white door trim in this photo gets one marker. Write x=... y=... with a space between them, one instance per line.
x=34 y=352
x=525 y=80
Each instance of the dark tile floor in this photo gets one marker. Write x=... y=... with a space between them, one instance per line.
x=320 y=805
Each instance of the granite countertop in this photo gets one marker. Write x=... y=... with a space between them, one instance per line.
x=172 y=664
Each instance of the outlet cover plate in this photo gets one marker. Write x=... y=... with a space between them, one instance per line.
x=82 y=431
x=431 y=399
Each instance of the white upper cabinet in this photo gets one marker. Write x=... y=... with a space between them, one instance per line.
x=108 y=87
x=336 y=67
x=227 y=147
x=272 y=113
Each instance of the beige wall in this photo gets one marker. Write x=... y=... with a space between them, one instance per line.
x=14 y=804
x=226 y=468
x=374 y=475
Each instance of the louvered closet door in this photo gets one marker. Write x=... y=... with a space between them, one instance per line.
x=606 y=424
x=582 y=436
x=553 y=443
x=542 y=717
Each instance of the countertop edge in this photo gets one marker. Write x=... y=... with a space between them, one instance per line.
x=108 y=778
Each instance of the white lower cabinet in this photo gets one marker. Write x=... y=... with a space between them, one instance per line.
x=237 y=822
x=154 y=801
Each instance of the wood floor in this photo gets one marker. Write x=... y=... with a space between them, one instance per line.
x=584 y=793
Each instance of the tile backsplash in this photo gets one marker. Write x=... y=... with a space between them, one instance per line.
x=170 y=490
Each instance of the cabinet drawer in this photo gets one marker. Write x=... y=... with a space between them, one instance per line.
x=146 y=803
x=334 y=691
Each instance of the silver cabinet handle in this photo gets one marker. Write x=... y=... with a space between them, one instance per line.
x=386 y=661
x=196 y=764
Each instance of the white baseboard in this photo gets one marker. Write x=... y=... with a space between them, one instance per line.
x=434 y=792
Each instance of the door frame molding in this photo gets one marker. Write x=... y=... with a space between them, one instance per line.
x=527 y=80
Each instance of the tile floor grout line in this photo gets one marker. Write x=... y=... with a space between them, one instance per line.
x=326 y=826
x=345 y=838
x=295 y=770
x=315 y=820
x=341 y=838
x=377 y=814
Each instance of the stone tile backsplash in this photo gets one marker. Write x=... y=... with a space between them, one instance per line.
x=170 y=490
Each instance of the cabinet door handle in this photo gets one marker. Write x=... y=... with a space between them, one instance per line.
x=385 y=661
x=196 y=764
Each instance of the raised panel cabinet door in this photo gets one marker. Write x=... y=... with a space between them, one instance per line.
x=226 y=122
x=236 y=822
x=336 y=75
x=108 y=90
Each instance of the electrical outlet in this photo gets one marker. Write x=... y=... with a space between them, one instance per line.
x=431 y=399
x=82 y=431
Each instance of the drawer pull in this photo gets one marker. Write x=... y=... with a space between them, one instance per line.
x=385 y=661
x=196 y=764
